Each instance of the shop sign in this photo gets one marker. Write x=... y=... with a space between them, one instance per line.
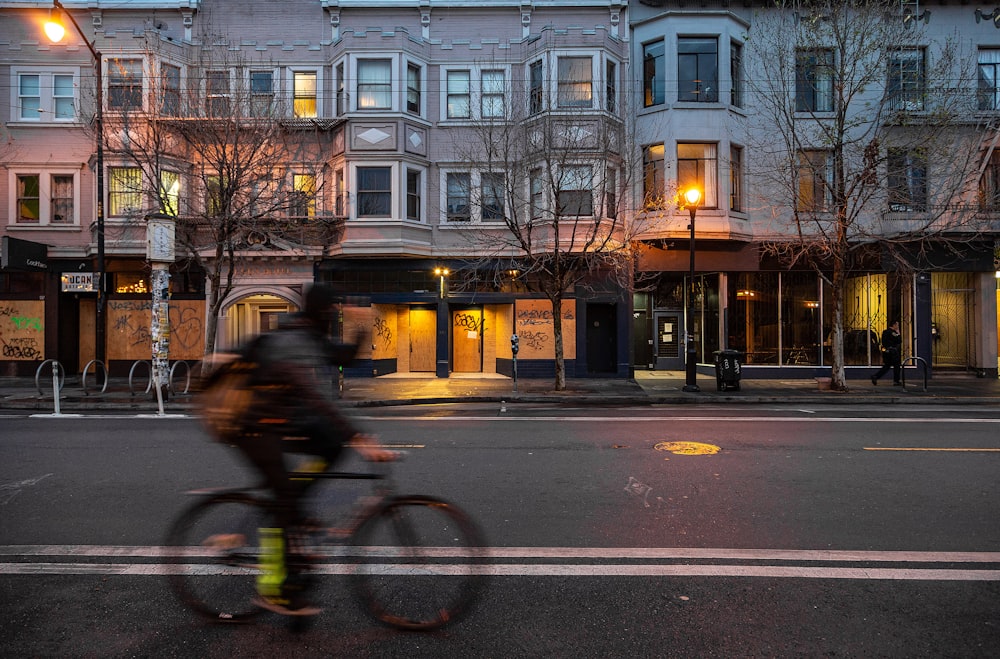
x=80 y=282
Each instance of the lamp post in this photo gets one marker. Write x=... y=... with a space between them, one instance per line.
x=693 y=198
x=442 y=273
x=55 y=32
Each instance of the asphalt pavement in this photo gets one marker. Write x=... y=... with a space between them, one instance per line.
x=646 y=388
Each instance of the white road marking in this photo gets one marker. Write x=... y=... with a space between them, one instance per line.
x=672 y=419
x=644 y=562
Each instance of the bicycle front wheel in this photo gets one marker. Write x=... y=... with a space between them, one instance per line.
x=422 y=562
x=216 y=550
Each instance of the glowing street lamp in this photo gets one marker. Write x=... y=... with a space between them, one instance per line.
x=55 y=31
x=693 y=199
x=442 y=273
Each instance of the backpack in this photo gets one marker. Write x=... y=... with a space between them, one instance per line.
x=229 y=391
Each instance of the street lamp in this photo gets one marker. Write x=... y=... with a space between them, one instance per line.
x=693 y=198
x=442 y=273
x=55 y=32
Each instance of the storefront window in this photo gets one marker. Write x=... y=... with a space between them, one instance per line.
x=753 y=316
x=800 y=317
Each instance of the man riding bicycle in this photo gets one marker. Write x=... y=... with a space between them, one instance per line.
x=293 y=412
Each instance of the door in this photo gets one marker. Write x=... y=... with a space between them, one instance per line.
x=669 y=339
x=642 y=341
x=423 y=338
x=467 y=340
x=602 y=346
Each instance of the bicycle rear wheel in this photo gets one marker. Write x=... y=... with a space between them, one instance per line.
x=215 y=547
x=421 y=562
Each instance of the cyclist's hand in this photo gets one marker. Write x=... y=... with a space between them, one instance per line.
x=370 y=449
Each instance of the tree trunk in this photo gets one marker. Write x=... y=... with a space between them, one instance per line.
x=557 y=335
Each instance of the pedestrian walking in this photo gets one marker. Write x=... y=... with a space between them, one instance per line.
x=892 y=348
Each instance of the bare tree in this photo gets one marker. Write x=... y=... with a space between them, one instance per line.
x=219 y=150
x=551 y=200
x=864 y=145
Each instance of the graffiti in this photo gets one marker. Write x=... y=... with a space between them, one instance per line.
x=130 y=305
x=533 y=340
x=470 y=322
x=7 y=311
x=136 y=333
x=185 y=327
x=22 y=348
x=383 y=331
x=27 y=323
x=539 y=316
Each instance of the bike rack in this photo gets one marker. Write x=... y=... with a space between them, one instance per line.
x=187 y=374
x=58 y=377
x=131 y=373
x=83 y=376
x=914 y=360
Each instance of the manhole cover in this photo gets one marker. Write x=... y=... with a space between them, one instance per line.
x=688 y=448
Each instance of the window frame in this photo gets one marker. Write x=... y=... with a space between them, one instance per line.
x=815 y=80
x=457 y=217
x=378 y=194
x=815 y=176
x=414 y=181
x=495 y=96
x=302 y=95
x=536 y=86
x=736 y=159
x=414 y=88
x=575 y=93
x=565 y=194
x=906 y=180
x=736 y=82
x=48 y=101
x=654 y=73
x=46 y=201
x=118 y=199
x=704 y=62
x=218 y=97
x=122 y=93
x=303 y=201
x=170 y=93
x=989 y=184
x=706 y=172
x=379 y=91
x=262 y=103
x=458 y=102
x=987 y=91
x=166 y=193
x=654 y=176
x=611 y=85
x=906 y=86
x=492 y=198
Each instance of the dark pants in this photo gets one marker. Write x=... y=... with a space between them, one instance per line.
x=890 y=359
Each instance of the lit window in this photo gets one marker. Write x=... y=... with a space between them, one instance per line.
x=653 y=73
x=302 y=203
x=170 y=193
x=124 y=191
x=697 y=167
x=304 y=94
x=815 y=181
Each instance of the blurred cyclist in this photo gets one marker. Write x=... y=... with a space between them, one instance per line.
x=293 y=411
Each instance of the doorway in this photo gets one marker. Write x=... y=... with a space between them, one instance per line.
x=467 y=340
x=602 y=344
x=423 y=340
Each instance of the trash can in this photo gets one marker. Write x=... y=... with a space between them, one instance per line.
x=727 y=370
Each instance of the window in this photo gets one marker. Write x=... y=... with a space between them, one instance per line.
x=302 y=202
x=576 y=191
x=217 y=93
x=907 y=180
x=374 y=191
x=339 y=194
x=989 y=185
x=492 y=196
x=44 y=198
x=989 y=79
x=124 y=84
x=494 y=86
x=458 y=206
x=261 y=93
x=413 y=194
x=698 y=69
x=214 y=202
x=653 y=74
x=611 y=193
x=341 y=90
x=652 y=176
x=124 y=191
x=575 y=85
x=536 y=88
x=736 y=178
x=736 y=73
x=815 y=182
x=611 y=87
x=905 y=87
x=459 y=94
x=304 y=94
x=697 y=167
x=814 y=78
x=413 y=88
x=170 y=193
x=170 y=90
x=536 y=191
x=374 y=84
x=45 y=96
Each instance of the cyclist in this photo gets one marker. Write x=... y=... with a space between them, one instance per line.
x=293 y=412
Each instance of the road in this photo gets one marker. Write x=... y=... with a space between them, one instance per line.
x=651 y=532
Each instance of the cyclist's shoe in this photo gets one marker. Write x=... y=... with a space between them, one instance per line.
x=293 y=605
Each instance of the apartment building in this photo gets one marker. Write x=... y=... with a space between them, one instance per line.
x=393 y=148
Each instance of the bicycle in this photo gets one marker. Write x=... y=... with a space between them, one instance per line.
x=415 y=562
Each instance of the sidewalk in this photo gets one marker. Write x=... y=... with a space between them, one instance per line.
x=648 y=388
